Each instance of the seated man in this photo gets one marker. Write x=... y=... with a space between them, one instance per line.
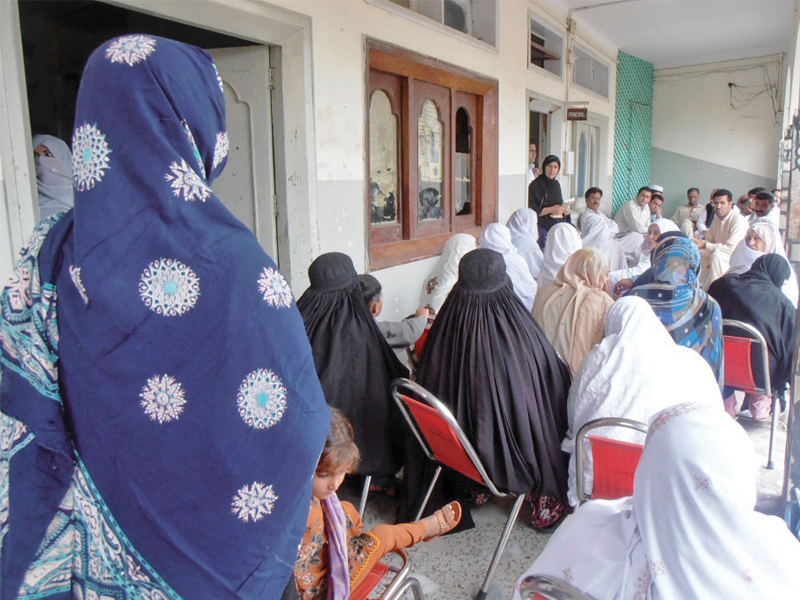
x=598 y=230
x=727 y=230
x=745 y=206
x=688 y=215
x=766 y=209
x=633 y=217
x=655 y=204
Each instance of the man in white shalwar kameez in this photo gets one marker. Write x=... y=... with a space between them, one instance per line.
x=727 y=230
x=633 y=218
x=687 y=215
x=766 y=209
x=598 y=230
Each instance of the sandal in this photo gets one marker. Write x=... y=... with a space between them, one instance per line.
x=446 y=523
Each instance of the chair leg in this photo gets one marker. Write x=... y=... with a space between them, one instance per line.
x=364 y=493
x=501 y=546
x=411 y=583
x=428 y=493
x=776 y=409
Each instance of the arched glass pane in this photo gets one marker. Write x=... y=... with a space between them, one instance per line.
x=430 y=151
x=463 y=166
x=384 y=192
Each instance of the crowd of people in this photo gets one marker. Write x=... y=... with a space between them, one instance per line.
x=173 y=424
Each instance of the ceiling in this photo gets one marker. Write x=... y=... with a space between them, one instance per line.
x=677 y=33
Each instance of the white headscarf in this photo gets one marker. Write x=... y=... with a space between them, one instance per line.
x=524 y=227
x=616 y=380
x=444 y=274
x=497 y=237
x=688 y=531
x=743 y=256
x=596 y=233
x=665 y=225
x=53 y=176
x=562 y=240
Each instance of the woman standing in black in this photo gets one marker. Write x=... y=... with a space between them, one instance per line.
x=544 y=196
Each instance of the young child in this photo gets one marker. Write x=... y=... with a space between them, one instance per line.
x=336 y=553
x=398 y=334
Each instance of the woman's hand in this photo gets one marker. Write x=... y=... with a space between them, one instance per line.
x=623 y=285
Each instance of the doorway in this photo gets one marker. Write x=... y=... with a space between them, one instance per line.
x=58 y=37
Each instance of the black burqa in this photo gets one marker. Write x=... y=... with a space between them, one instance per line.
x=355 y=364
x=755 y=297
x=489 y=361
x=544 y=192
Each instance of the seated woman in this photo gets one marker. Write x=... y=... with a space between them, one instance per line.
x=624 y=279
x=691 y=317
x=615 y=380
x=444 y=274
x=161 y=419
x=762 y=238
x=572 y=310
x=755 y=297
x=562 y=241
x=497 y=237
x=688 y=531
x=53 y=160
x=523 y=224
x=544 y=197
x=354 y=363
x=488 y=360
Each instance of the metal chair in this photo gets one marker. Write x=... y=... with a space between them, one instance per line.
x=539 y=587
x=445 y=443
x=397 y=587
x=613 y=462
x=747 y=368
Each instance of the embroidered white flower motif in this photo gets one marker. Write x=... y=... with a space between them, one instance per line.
x=275 y=289
x=220 y=149
x=568 y=577
x=702 y=483
x=163 y=398
x=195 y=151
x=253 y=502
x=130 y=49
x=186 y=182
x=219 y=79
x=657 y=568
x=261 y=399
x=168 y=287
x=89 y=156
x=75 y=274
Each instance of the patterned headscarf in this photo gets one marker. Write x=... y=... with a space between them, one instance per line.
x=692 y=318
x=178 y=436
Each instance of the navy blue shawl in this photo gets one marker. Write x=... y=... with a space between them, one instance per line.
x=159 y=394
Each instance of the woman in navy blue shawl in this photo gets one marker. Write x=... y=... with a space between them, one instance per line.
x=162 y=417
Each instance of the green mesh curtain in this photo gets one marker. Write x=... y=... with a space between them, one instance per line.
x=633 y=127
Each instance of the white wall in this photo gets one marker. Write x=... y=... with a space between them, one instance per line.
x=339 y=99
x=695 y=126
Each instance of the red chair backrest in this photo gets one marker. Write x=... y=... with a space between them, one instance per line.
x=613 y=465
x=369 y=582
x=739 y=363
x=421 y=342
x=441 y=438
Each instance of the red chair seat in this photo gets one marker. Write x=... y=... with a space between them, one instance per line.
x=374 y=577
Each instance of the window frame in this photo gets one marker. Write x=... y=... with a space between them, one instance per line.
x=595 y=59
x=422 y=240
x=559 y=56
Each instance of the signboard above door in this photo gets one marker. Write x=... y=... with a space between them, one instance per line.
x=577 y=114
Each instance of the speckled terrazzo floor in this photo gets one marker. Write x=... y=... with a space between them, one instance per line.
x=453 y=567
